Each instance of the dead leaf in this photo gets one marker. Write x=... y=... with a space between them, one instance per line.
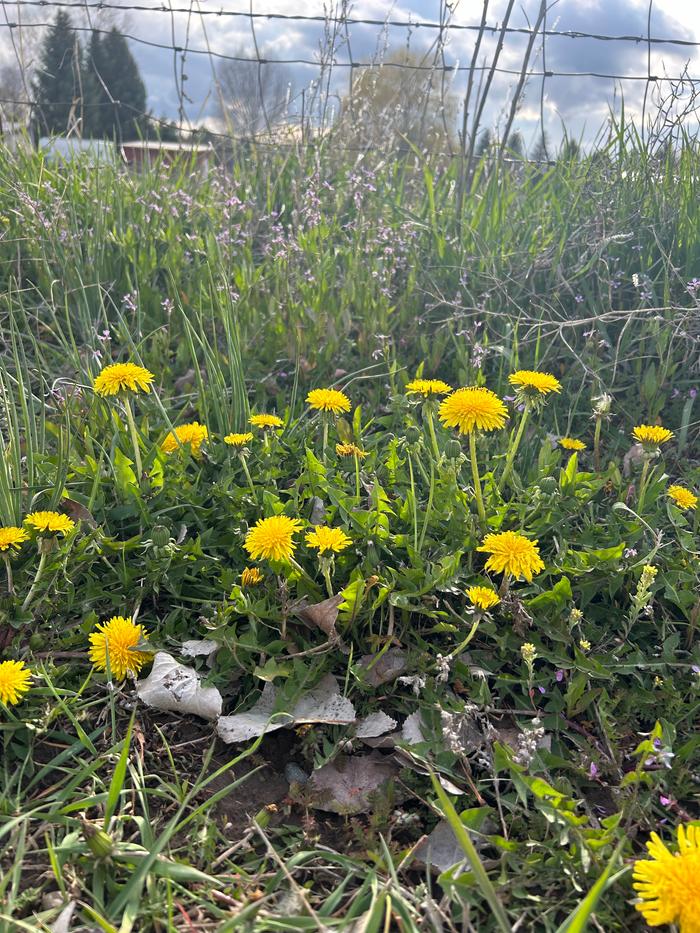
x=199 y=648
x=324 y=703
x=350 y=785
x=77 y=512
x=382 y=670
x=440 y=849
x=373 y=725
x=172 y=687
x=411 y=731
x=323 y=615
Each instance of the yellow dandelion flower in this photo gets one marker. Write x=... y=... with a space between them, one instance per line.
x=328 y=539
x=473 y=409
x=47 y=522
x=15 y=680
x=532 y=383
x=266 y=421
x=193 y=434
x=238 y=440
x=251 y=576
x=328 y=400
x=12 y=537
x=350 y=450
x=123 y=377
x=117 y=639
x=426 y=387
x=669 y=885
x=651 y=435
x=272 y=538
x=683 y=497
x=571 y=443
x=584 y=644
x=512 y=554
x=482 y=597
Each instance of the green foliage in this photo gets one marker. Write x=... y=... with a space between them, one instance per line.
x=240 y=292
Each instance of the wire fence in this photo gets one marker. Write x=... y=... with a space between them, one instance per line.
x=444 y=84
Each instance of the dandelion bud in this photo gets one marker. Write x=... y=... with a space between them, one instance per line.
x=548 y=485
x=453 y=449
x=160 y=535
x=98 y=841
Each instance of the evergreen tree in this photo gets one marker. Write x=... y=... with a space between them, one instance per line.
x=57 y=87
x=115 y=93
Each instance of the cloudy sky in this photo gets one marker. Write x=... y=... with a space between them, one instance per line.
x=578 y=102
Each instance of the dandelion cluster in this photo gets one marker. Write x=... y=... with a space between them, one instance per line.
x=512 y=554
x=473 y=409
x=50 y=522
x=113 y=647
x=266 y=421
x=483 y=598
x=328 y=400
x=15 y=680
x=12 y=538
x=350 y=450
x=328 y=539
x=668 y=884
x=532 y=383
x=123 y=377
x=191 y=435
x=428 y=387
x=272 y=538
x=651 y=436
x=571 y=443
x=684 y=498
x=238 y=440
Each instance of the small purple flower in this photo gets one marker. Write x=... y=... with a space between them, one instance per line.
x=593 y=770
x=578 y=299
x=664 y=801
x=693 y=393
x=560 y=676
x=542 y=690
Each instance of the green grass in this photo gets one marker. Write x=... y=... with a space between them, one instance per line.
x=240 y=292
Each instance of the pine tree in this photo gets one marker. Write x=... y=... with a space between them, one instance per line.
x=58 y=84
x=116 y=95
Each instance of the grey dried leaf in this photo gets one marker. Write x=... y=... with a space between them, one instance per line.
x=373 y=725
x=411 y=731
x=384 y=669
x=440 y=849
x=324 y=703
x=172 y=687
x=318 y=511
x=351 y=785
x=323 y=615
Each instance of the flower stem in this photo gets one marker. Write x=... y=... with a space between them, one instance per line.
x=643 y=484
x=476 y=479
x=37 y=577
x=428 y=411
x=596 y=444
x=134 y=438
x=357 y=477
x=326 y=570
x=8 y=568
x=513 y=449
x=472 y=633
x=301 y=570
x=325 y=439
x=248 y=476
